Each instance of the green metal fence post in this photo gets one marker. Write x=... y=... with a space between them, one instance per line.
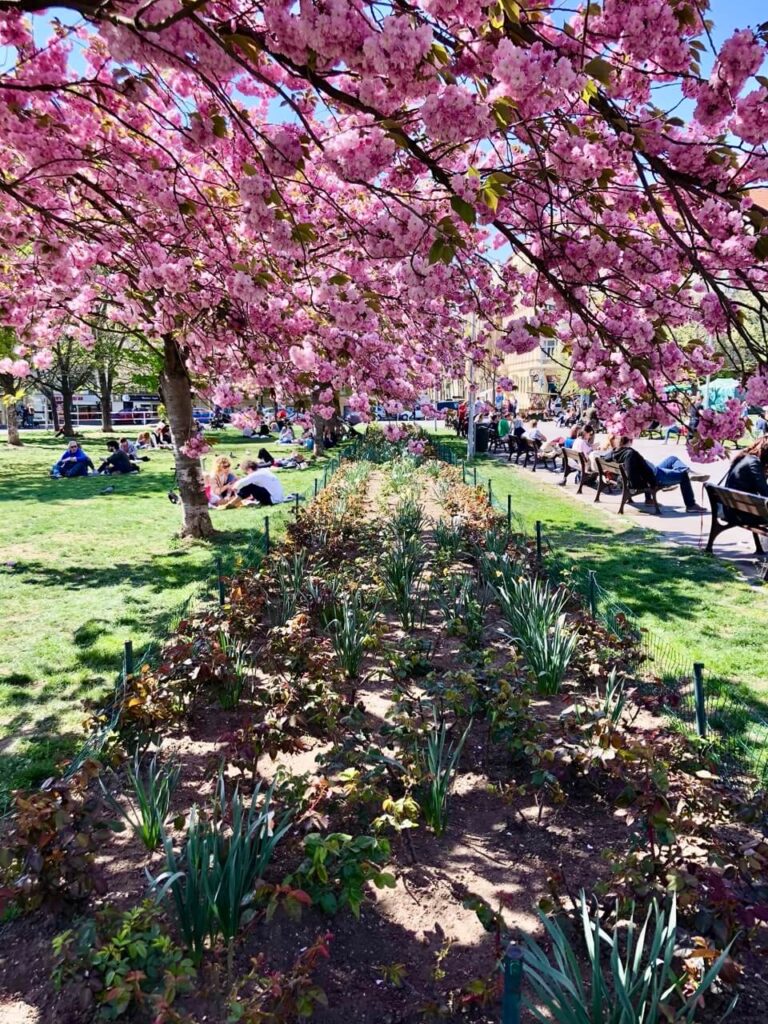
x=592 y=583
x=509 y=511
x=317 y=480
x=474 y=475
x=463 y=471
x=220 y=581
x=698 y=693
x=127 y=659
x=325 y=477
x=490 y=493
x=266 y=534
x=512 y=966
x=538 y=539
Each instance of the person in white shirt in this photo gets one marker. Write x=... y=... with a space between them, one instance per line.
x=583 y=443
x=534 y=434
x=261 y=485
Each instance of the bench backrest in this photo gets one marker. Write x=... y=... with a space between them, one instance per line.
x=739 y=501
x=575 y=457
x=615 y=468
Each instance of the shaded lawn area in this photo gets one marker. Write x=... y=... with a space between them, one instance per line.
x=692 y=604
x=81 y=572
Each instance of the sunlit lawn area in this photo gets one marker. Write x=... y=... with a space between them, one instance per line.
x=82 y=571
x=696 y=606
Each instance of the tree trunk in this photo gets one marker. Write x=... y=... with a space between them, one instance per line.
x=105 y=398
x=12 y=420
x=51 y=398
x=66 y=401
x=319 y=423
x=189 y=474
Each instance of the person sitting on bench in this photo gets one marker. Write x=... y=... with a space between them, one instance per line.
x=118 y=461
x=643 y=475
x=747 y=473
x=74 y=462
x=584 y=440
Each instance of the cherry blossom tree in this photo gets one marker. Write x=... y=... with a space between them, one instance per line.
x=524 y=126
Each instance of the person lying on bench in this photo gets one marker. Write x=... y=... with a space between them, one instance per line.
x=643 y=475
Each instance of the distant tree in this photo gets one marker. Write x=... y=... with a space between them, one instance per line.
x=72 y=368
x=10 y=385
x=110 y=353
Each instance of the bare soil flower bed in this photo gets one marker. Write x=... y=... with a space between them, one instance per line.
x=397 y=747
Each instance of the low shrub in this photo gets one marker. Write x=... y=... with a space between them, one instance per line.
x=121 y=962
x=336 y=868
x=48 y=853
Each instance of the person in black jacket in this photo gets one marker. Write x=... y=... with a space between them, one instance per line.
x=117 y=461
x=643 y=475
x=747 y=473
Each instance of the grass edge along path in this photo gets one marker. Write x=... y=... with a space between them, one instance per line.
x=690 y=606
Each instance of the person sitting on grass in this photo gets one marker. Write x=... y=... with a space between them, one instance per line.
x=220 y=484
x=117 y=461
x=286 y=434
x=128 y=447
x=259 y=486
x=264 y=459
x=161 y=435
x=644 y=475
x=144 y=440
x=74 y=462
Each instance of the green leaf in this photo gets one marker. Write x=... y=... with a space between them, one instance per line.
x=599 y=69
x=304 y=233
x=464 y=209
x=219 y=126
x=761 y=248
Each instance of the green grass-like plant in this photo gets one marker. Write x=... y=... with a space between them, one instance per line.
x=630 y=979
x=463 y=607
x=212 y=881
x=232 y=685
x=350 y=633
x=436 y=762
x=407 y=520
x=448 y=536
x=152 y=786
x=401 y=569
x=548 y=654
x=289 y=572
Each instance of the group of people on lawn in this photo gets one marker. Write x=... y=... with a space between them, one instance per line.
x=258 y=484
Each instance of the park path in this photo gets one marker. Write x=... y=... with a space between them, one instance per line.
x=677 y=526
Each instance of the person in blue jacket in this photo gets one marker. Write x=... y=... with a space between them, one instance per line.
x=74 y=462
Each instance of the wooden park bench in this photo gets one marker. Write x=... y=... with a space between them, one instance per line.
x=522 y=447
x=741 y=506
x=610 y=473
x=574 y=462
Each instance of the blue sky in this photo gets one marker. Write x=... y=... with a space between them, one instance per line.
x=728 y=15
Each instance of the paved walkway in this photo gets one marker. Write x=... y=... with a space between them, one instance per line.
x=678 y=526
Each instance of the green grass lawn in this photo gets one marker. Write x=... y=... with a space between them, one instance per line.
x=694 y=607
x=81 y=572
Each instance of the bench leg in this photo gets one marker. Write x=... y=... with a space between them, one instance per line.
x=625 y=497
x=599 y=489
x=758 y=545
x=715 y=530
